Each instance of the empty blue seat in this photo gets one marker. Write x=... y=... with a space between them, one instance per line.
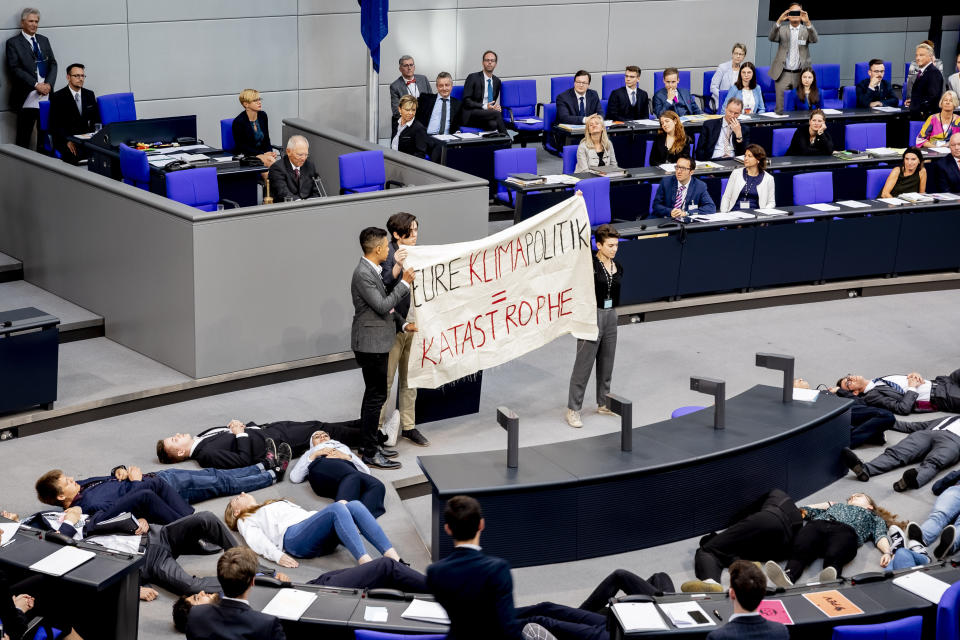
x=781 y=140
x=518 y=98
x=876 y=178
x=767 y=87
x=658 y=80
x=507 y=161
x=865 y=135
x=134 y=167
x=226 y=134
x=682 y=411
x=457 y=92
x=948 y=614
x=558 y=85
x=828 y=82
x=813 y=188
x=861 y=71
x=708 y=106
x=367 y=634
x=610 y=82
x=905 y=629
x=570 y=157
x=849 y=95
x=596 y=195
x=116 y=107
x=915 y=126
x=549 y=117
x=363 y=171
x=196 y=188
x=43 y=129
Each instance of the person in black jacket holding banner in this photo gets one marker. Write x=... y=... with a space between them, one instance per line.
x=607 y=274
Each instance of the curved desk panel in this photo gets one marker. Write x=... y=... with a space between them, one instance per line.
x=587 y=498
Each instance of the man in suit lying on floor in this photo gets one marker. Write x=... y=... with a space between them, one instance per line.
x=904 y=394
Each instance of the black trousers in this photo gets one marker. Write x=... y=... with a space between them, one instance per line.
x=382 y=573
x=374 y=368
x=566 y=623
x=341 y=480
x=485 y=119
x=867 y=425
x=26 y=122
x=167 y=543
x=762 y=535
x=297 y=434
x=835 y=542
x=945 y=396
x=628 y=582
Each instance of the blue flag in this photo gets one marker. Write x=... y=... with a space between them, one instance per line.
x=373 y=26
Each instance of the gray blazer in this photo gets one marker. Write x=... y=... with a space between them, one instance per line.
x=782 y=35
x=375 y=322
x=587 y=158
x=398 y=89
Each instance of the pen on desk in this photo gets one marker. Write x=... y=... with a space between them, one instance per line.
x=717 y=613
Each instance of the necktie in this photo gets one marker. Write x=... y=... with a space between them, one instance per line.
x=678 y=201
x=489 y=90
x=443 y=116
x=76 y=97
x=633 y=98
x=892 y=385
x=726 y=133
x=41 y=63
x=581 y=107
x=410 y=82
x=296 y=172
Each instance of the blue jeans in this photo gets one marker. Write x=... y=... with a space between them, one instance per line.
x=905 y=558
x=946 y=510
x=337 y=523
x=195 y=485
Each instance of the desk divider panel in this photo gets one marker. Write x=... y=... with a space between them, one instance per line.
x=928 y=241
x=861 y=246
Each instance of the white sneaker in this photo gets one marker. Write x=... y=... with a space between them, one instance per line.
x=827 y=574
x=391 y=427
x=777 y=575
x=573 y=418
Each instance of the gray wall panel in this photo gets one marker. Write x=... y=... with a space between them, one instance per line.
x=97 y=48
x=56 y=13
x=173 y=10
x=308 y=7
x=429 y=36
x=8 y=127
x=340 y=109
x=332 y=53
x=218 y=60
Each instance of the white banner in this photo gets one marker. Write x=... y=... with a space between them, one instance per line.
x=482 y=303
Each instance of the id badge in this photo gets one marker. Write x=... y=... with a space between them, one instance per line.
x=744 y=204
x=692 y=207
x=608 y=304
x=801 y=43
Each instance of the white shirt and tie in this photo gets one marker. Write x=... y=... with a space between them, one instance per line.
x=77 y=99
x=793 y=57
x=33 y=98
x=412 y=87
x=724 y=148
x=435 y=125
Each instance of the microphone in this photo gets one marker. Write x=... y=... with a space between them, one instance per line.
x=319 y=185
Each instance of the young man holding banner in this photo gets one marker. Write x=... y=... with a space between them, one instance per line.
x=607 y=274
x=374 y=329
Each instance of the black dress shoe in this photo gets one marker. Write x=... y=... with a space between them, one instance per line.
x=854 y=463
x=414 y=436
x=207 y=548
x=388 y=453
x=379 y=462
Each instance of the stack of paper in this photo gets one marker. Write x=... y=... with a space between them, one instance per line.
x=831 y=112
x=853 y=204
x=686 y=615
x=887 y=109
x=767 y=211
x=915 y=197
x=772 y=114
x=923 y=585
x=466 y=136
x=938 y=150
x=445 y=137
x=894 y=201
x=290 y=604
x=426 y=611
x=61 y=561
x=561 y=178
x=638 y=616
x=805 y=395
x=945 y=196
x=7 y=531
x=824 y=207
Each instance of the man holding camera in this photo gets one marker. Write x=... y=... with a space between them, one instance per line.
x=793 y=56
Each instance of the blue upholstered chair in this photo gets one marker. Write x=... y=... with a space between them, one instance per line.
x=682 y=411
x=43 y=130
x=781 y=140
x=558 y=85
x=813 y=188
x=948 y=614
x=457 y=92
x=507 y=161
x=861 y=71
x=134 y=167
x=903 y=90
x=849 y=96
x=708 y=106
x=609 y=83
x=367 y=634
x=905 y=629
x=653 y=195
x=789 y=101
x=116 y=107
x=518 y=98
x=876 y=178
x=767 y=87
x=683 y=84
x=570 y=158
x=646 y=153
x=828 y=82
x=226 y=135
x=596 y=195
x=363 y=171
x=549 y=117
x=197 y=188
x=915 y=126
x=865 y=135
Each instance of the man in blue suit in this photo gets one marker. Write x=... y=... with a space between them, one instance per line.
x=476 y=590
x=748 y=585
x=682 y=194
x=674 y=97
x=574 y=105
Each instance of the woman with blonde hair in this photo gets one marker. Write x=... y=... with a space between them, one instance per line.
x=938 y=128
x=251 y=129
x=595 y=149
x=279 y=529
x=671 y=141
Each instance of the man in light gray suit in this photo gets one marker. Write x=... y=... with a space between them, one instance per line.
x=793 y=54
x=408 y=83
x=374 y=330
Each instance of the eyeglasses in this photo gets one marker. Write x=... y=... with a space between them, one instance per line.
x=408 y=64
x=78 y=75
x=582 y=83
x=679 y=168
x=489 y=59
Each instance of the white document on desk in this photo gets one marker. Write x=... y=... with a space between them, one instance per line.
x=823 y=207
x=894 y=201
x=426 y=611
x=923 y=585
x=669 y=167
x=945 y=196
x=638 y=616
x=7 y=531
x=768 y=211
x=445 y=137
x=773 y=114
x=62 y=560
x=560 y=178
x=223 y=158
x=853 y=204
x=832 y=112
x=467 y=136
x=805 y=395
x=887 y=109
x=290 y=604
x=375 y=614
x=681 y=614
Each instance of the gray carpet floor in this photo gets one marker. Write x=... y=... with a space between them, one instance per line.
x=870 y=335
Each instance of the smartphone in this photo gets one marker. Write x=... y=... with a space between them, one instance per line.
x=794 y=13
x=698 y=616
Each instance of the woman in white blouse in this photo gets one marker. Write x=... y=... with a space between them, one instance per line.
x=751 y=187
x=727 y=73
x=279 y=529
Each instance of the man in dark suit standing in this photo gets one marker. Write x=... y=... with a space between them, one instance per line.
x=748 y=586
x=295 y=176
x=724 y=137
x=947 y=175
x=372 y=334
x=232 y=618
x=33 y=69
x=924 y=99
x=481 y=97
x=409 y=83
x=73 y=110
x=439 y=113
x=574 y=105
x=629 y=102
